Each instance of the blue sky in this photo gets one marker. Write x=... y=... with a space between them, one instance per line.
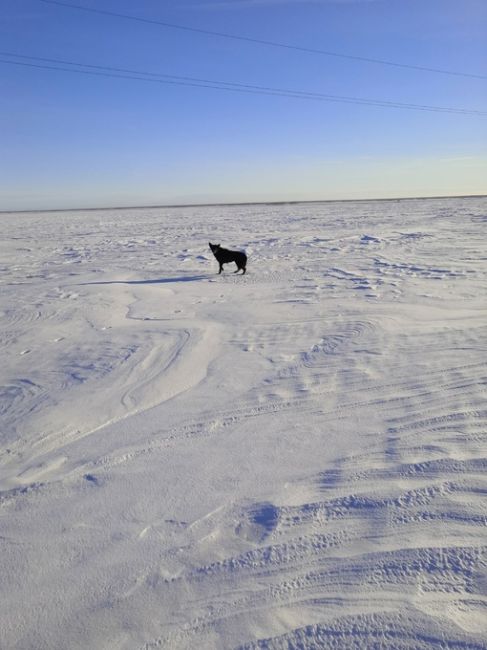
x=75 y=140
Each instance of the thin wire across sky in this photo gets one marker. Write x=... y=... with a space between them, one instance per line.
x=74 y=67
x=258 y=41
x=137 y=75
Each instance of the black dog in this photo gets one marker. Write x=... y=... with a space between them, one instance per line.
x=225 y=256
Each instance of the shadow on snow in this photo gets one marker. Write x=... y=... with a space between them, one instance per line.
x=184 y=278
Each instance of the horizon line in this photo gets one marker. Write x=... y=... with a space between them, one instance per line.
x=242 y=203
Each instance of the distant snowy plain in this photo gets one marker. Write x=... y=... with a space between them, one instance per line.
x=294 y=458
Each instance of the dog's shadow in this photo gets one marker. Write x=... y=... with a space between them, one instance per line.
x=183 y=278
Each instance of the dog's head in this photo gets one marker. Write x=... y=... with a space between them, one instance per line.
x=214 y=247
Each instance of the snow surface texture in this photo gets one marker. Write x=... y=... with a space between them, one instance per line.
x=294 y=458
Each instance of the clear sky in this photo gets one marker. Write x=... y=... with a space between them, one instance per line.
x=79 y=140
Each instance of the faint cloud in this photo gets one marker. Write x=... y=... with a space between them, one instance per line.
x=461 y=159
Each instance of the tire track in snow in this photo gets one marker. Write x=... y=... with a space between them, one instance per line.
x=382 y=548
x=390 y=400
x=369 y=548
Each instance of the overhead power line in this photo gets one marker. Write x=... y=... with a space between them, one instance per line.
x=248 y=39
x=137 y=75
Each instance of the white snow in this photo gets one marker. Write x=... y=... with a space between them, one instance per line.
x=293 y=458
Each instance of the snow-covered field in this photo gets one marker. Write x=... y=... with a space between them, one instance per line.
x=294 y=458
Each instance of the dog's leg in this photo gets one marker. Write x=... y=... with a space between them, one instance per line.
x=221 y=269
x=239 y=268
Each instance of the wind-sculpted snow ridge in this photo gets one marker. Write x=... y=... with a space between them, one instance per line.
x=294 y=458
x=377 y=631
x=399 y=562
